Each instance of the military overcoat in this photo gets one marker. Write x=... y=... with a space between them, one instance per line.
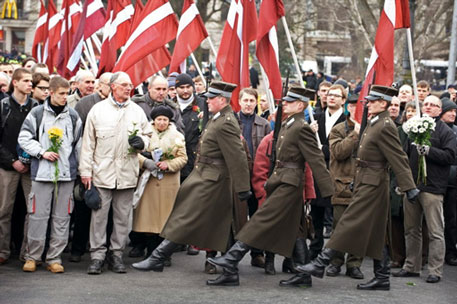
x=274 y=227
x=203 y=211
x=362 y=228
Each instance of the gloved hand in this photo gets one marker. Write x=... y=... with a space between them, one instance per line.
x=412 y=195
x=136 y=142
x=423 y=149
x=150 y=165
x=351 y=186
x=245 y=195
x=147 y=154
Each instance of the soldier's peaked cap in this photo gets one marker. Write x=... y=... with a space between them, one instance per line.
x=381 y=92
x=220 y=88
x=300 y=94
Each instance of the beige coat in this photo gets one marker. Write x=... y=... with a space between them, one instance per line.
x=159 y=195
x=105 y=149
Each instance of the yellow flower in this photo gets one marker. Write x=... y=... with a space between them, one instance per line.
x=55 y=132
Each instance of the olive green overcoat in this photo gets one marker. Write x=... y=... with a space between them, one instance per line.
x=203 y=211
x=275 y=226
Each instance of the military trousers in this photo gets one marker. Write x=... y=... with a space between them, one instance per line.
x=121 y=201
x=40 y=206
x=9 y=182
x=338 y=259
x=431 y=206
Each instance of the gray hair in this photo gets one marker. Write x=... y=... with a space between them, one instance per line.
x=83 y=74
x=116 y=75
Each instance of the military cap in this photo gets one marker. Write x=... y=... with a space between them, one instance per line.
x=353 y=98
x=381 y=92
x=300 y=94
x=220 y=88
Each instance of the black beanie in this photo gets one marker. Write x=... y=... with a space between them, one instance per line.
x=161 y=111
x=183 y=79
x=447 y=105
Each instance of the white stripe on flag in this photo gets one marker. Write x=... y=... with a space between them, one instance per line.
x=54 y=20
x=187 y=18
x=75 y=56
x=45 y=53
x=273 y=37
x=42 y=20
x=154 y=17
x=371 y=62
x=121 y=17
x=93 y=7
x=390 y=10
x=107 y=26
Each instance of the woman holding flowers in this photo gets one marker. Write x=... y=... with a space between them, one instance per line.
x=165 y=157
x=50 y=134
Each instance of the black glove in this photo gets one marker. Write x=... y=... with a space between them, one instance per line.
x=412 y=195
x=136 y=142
x=244 y=196
x=147 y=154
x=351 y=187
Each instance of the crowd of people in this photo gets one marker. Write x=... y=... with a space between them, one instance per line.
x=173 y=167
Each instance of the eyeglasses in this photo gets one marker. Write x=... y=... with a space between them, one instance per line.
x=43 y=88
x=334 y=95
x=125 y=85
x=430 y=104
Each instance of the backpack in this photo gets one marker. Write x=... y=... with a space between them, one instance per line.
x=5 y=109
x=39 y=118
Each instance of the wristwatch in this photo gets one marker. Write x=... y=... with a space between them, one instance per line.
x=39 y=155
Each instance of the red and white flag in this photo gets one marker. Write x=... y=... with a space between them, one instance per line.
x=92 y=20
x=54 y=28
x=267 y=43
x=232 y=60
x=115 y=32
x=157 y=26
x=72 y=12
x=41 y=34
x=395 y=15
x=191 y=33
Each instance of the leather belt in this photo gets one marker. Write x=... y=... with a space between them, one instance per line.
x=369 y=164
x=211 y=161
x=289 y=165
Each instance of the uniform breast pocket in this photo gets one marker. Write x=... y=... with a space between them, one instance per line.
x=371 y=179
x=291 y=179
x=342 y=187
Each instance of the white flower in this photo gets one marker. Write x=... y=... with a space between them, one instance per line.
x=422 y=130
x=414 y=129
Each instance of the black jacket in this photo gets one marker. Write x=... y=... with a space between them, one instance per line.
x=441 y=156
x=452 y=180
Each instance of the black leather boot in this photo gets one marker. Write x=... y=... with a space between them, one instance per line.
x=288 y=265
x=299 y=280
x=300 y=252
x=317 y=266
x=270 y=263
x=381 y=280
x=209 y=268
x=156 y=260
x=227 y=278
x=231 y=258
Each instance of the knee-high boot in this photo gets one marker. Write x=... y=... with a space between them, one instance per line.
x=270 y=263
x=317 y=266
x=157 y=258
x=381 y=269
x=229 y=262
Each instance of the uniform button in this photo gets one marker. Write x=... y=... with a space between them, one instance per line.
x=201 y=141
x=196 y=167
x=279 y=148
x=282 y=136
x=360 y=146
x=274 y=172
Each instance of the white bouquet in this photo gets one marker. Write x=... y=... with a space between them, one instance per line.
x=419 y=130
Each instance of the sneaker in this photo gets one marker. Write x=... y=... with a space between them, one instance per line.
x=55 y=268
x=29 y=266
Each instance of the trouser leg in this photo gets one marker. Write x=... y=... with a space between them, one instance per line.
x=121 y=211
x=82 y=215
x=60 y=222
x=98 y=222
x=450 y=223
x=413 y=234
x=9 y=181
x=317 y=243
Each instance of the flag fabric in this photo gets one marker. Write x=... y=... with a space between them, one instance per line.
x=191 y=33
x=54 y=28
x=155 y=28
x=267 y=43
x=380 y=70
x=115 y=32
x=232 y=60
x=41 y=33
x=72 y=12
x=92 y=20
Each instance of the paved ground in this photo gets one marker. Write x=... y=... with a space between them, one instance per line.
x=184 y=282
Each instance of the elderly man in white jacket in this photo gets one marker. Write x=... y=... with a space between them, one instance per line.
x=116 y=129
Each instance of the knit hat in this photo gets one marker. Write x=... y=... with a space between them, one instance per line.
x=447 y=105
x=172 y=79
x=183 y=79
x=161 y=111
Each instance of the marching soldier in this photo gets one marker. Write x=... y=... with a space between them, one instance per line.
x=275 y=226
x=202 y=214
x=362 y=228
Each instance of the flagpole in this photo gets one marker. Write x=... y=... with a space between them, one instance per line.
x=211 y=46
x=297 y=67
x=90 y=48
x=194 y=60
x=268 y=92
x=86 y=53
x=413 y=69
x=97 y=42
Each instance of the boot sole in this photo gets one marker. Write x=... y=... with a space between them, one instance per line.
x=296 y=285
x=224 y=284
x=148 y=269
x=374 y=288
